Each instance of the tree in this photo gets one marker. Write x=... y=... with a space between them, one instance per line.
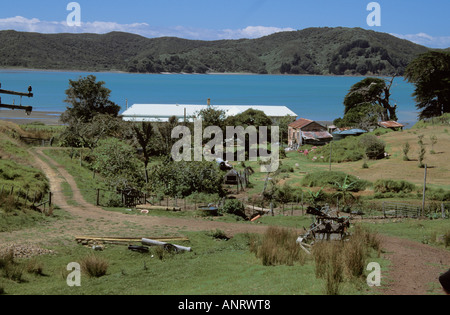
x=88 y=98
x=143 y=133
x=430 y=73
x=212 y=116
x=406 y=148
x=116 y=162
x=345 y=189
x=87 y=134
x=165 y=135
x=284 y=194
x=373 y=92
x=251 y=117
x=181 y=179
x=422 y=151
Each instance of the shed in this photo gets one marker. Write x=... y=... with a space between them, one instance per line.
x=231 y=178
x=391 y=125
x=305 y=131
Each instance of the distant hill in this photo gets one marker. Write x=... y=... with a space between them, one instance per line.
x=319 y=51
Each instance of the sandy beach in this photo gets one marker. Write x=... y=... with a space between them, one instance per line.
x=19 y=117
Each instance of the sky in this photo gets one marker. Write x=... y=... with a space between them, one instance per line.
x=422 y=22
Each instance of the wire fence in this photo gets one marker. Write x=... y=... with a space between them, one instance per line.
x=12 y=198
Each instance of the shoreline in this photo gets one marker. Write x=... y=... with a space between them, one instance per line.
x=19 y=117
x=194 y=73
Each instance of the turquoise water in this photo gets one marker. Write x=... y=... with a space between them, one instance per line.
x=314 y=97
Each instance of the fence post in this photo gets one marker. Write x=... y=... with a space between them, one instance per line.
x=443 y=210
x=98 y=197
x=49 y=199
x=424 y=190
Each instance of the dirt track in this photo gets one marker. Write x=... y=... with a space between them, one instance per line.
x=413 y=265
x=104 y=220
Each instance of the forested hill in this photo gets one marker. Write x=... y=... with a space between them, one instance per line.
x=321 y=51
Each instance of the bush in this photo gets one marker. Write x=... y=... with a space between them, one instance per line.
x=234 y=207
x=393 y=186
x=329 y=179
x=447 y=239
x=374 y=147
x=352 y=149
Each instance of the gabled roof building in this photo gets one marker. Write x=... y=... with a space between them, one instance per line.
x=305 y=131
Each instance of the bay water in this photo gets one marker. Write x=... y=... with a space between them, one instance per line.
x=314 y=97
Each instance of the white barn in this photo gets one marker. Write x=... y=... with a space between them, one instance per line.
x=162 y=112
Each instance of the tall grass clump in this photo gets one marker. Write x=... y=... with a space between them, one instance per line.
x=278 y=246
x=94 y=266
x=328 y=260
x=10 y=269
x=337 y=261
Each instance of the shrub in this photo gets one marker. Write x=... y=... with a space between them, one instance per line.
x=278 y=246
x=374 y=147
x=234 y=207
x=406 y=148
x=393 y=186
x=447 y=239
x=94 y=266
x=352 y=149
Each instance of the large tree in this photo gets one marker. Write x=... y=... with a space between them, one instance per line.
x=87 y=98
x=373 y=91
x=430 y=73
x=367 y=102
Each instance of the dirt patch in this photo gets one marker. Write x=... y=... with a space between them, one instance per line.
x=415 y=267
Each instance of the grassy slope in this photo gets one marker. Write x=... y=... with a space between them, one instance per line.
x=392 y=168
x=17 y=173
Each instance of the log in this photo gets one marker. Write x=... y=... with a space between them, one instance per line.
x=149 y=242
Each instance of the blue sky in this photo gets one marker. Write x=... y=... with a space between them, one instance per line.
x=424 y=22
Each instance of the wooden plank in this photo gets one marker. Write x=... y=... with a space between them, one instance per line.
x=127 y=239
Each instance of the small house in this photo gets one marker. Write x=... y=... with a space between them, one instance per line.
x=305 y=131
x=391 y=125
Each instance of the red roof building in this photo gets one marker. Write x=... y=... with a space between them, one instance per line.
x=305 y=131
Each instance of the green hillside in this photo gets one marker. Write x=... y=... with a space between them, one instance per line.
x=339 y=51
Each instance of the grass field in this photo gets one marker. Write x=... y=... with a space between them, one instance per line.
x=214 y=267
